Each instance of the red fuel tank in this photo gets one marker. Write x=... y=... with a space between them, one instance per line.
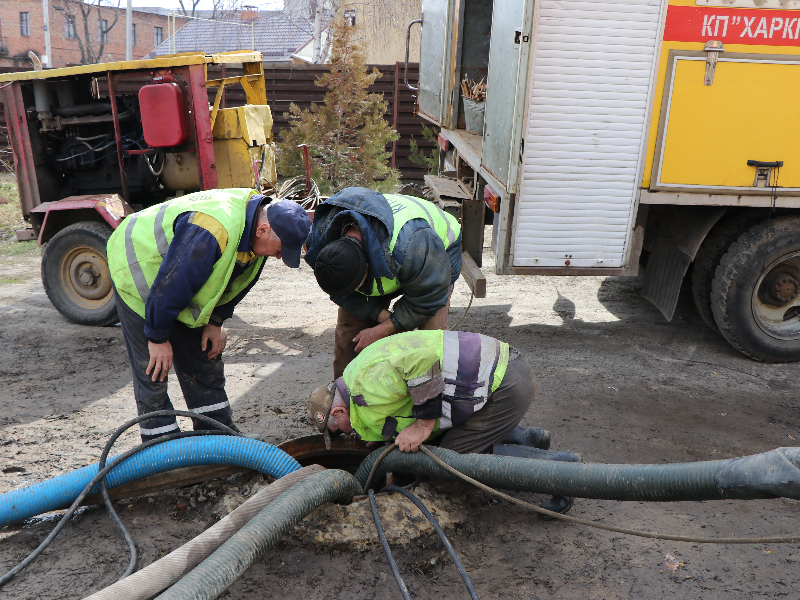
x=165 y=118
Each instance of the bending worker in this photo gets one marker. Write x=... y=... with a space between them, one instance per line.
x=366 y=249
x=179 y=269
x=468 y=390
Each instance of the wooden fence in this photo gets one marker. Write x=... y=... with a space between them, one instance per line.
x=295 y=83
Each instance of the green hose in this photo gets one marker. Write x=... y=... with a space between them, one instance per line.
x=772 y=474
x=215 y=574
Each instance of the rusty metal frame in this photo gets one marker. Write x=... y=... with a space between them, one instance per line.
x=20 y=143
x=112 y=96
x=204 y=139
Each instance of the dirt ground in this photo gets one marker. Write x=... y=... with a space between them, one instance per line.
x=616 y=383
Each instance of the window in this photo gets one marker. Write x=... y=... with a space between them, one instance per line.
x=133 y=34
x=158 y=35
x=102 y=30
x=69 y=27
x=350 y=17
x=25 y=24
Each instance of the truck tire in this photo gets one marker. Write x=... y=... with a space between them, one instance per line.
x=75 y=274
x=707 y=260
x=755 y=295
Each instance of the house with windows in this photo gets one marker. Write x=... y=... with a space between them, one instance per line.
x=22 y=30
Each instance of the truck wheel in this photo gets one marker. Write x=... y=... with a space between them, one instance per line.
x=707 y=260
x=756 y=291
x=75 y=274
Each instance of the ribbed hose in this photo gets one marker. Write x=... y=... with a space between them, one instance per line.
x=167 y=570
x=769 y=475
x=59 y=492
x=214 y=575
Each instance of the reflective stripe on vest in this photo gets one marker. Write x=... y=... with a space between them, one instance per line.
x=408 y=208
x=137 y=248
x=469 y=361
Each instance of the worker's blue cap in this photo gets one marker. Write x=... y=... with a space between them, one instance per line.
x=290 y=222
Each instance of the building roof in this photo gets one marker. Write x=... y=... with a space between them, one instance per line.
x=275 y=34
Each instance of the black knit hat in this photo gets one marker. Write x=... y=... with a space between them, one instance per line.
x=340 y=267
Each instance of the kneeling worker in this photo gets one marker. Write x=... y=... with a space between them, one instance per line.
x=179 y=269
x=368 y=248
x=467 y=389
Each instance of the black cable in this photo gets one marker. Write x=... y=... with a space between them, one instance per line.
x=104 y=490
x=393 y=488
x=102 y=472
x=386 y=550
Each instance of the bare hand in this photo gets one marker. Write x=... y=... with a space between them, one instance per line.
x=415 y=434
x=217 y=337
x=373 y=334
x=160 y=360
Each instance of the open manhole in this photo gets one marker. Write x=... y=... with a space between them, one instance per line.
x=346 y=452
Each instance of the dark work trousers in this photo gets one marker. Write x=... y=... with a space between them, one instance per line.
x=348 y=326
x=202 y=380
x=502 y=412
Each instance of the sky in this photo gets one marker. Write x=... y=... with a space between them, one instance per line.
x=204 y=4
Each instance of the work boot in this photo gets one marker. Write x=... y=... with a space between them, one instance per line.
x=533 y=437
x=528 y=452
x=559 y=504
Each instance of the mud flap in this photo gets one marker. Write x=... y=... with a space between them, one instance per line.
x=679 y=238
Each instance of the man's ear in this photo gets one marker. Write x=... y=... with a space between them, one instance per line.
x=262 y=229
x=339 y=411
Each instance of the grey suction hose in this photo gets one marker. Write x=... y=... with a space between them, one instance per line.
x=218 y=572
x=773 y=474
x=161 y=574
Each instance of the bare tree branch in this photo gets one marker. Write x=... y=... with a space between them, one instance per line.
x=91 y=46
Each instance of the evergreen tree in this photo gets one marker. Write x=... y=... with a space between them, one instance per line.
x=346 y=135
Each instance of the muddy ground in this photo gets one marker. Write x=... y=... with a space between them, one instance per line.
x=616 y=383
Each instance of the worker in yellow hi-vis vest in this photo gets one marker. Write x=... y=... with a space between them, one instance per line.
x=179 y=269
x=367 y=249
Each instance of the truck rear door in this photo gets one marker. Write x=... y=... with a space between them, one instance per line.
x=592 y=69
x=434 y=59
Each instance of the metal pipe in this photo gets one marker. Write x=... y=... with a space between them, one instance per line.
x=82 y=109
x=408 y=44
x=40 y=97
x=47 y=59
x=129 y=31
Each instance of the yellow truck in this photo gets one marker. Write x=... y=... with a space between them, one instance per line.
x=624 y=132
x=94 y=143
